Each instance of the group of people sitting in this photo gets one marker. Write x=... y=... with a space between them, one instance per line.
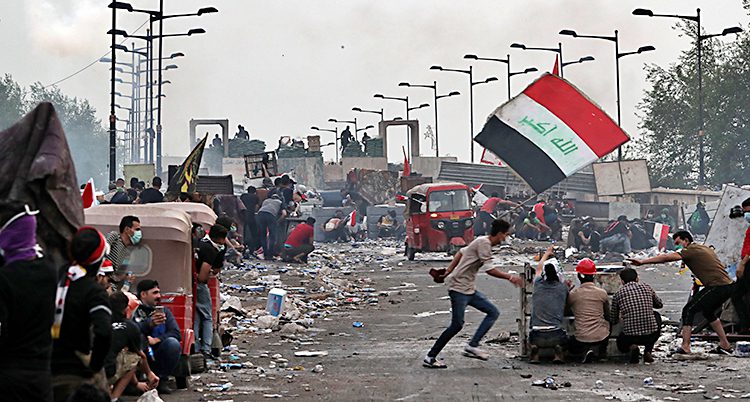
x=589 y=304
x=89 y=334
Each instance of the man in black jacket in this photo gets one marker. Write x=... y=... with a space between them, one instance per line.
x=82 y=310
x=25 y=344
x=160 y=331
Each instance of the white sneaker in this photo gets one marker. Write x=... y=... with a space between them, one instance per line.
x=476 y=353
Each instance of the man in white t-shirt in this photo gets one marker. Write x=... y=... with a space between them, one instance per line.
x=461 y=280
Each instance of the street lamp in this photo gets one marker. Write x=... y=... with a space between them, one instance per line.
x=470 y=73
x=616 y=39
x=405 y=99
x=506 y=61
x=380 y=112
x=365 y=128
x=435 y=97
x=557 y=50
x=581 y=60
x=335 y=132
x=699 y=39
x=419 y=107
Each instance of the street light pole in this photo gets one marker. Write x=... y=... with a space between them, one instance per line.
x=112 y=118
x=699 y=38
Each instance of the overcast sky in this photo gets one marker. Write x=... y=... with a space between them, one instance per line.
x=279 y=67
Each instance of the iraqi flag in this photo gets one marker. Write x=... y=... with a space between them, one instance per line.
x=550 y=131
x=88 y=194
x=659 y=232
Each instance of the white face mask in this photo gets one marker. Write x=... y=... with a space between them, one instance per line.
x=747 y=216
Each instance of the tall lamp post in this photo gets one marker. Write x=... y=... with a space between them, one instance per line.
x=434 y=89
x=581 y=60
x=360 y=110
x=557 y=50
x=470 y=73
x=335 y=132
x=161 y=18
x=506 y=61
x=616 y=39
x=698 y=39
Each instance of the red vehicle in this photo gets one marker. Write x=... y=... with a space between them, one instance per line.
x=438 y=218
x=166 y=255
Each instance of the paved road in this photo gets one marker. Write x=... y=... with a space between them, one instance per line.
x=381 y=361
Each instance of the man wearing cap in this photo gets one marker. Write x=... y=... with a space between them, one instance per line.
x=717 y=287
x=548 y=309
x=160 y=331
x=590 y=306
x=82 y=310
x=25 y=343
x=104 y=276
x=634 y=304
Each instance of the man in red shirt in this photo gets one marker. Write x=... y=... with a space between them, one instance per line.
x=743 y=281
x=485 y=215
x=299 y=244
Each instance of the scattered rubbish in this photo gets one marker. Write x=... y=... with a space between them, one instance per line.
x=220 y=387
x=358 y=324
x=599 y=384
x=502 y=337
x=267 y=322
x=310 y=353
x=648 y=381
x=742 y=349
x=431 y=313
x=538 y=383
x=525 y=375
x=292 y=328
x=317 y=369
x=273 y=396
x=276 y=298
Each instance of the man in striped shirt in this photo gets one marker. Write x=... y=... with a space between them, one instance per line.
x=634 y=303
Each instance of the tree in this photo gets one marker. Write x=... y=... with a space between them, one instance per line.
x=669 y=113
x=87 y=138
x=12 y=104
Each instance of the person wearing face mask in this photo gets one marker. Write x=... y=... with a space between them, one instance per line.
x=717 y=287
x=210 y=260
x=743 y=281
x=82 y=330
x=130 y=235
x=25 y=345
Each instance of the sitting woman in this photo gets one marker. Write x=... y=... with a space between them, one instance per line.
x=547 y=309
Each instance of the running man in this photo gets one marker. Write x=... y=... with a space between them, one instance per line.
x=461 y=279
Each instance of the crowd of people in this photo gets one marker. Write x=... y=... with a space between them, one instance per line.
x=594 y=312
x=91 y=333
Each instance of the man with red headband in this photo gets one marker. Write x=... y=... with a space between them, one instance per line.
x=25 y=344
x=81 y=330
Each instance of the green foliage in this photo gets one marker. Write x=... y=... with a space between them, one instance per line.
x=87 y=138
x=12 y=104
x=669 y=116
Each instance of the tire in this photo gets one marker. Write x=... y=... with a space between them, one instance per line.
x=410 y=252
x=197 y=363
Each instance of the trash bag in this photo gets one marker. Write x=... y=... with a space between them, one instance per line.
x=150 y=396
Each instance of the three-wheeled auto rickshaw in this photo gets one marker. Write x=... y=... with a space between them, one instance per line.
x=166 y=255
x=438 y=218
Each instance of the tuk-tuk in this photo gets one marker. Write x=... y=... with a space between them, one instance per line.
x=438 y=218
x=166 y=255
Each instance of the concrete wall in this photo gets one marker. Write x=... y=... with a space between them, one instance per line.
x=307 y=171
x=630 y=209
x=350 y=163
x=429 y=165
x=333 y=173
x=375 y=212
